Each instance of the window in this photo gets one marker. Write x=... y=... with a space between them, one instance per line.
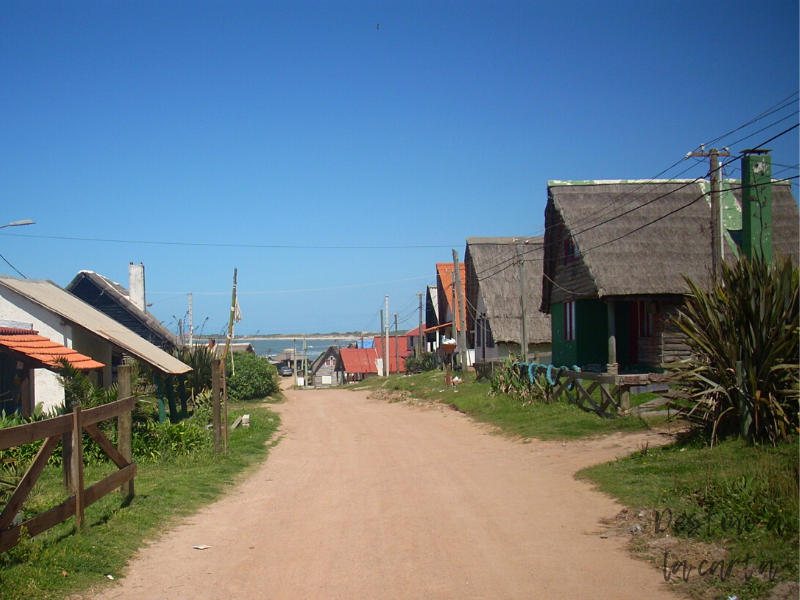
x=569 y=321
x=646 y=313
x=570 y=251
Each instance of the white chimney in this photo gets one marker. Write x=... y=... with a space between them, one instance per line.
x=136 y=285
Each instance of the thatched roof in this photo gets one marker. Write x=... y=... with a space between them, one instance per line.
x=492 y=263
x=114 y=300
x=640 y=237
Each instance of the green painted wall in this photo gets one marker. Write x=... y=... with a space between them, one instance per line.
x=591 y=332
x=564 y=352
x=622 y=324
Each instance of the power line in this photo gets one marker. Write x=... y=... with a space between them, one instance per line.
x=220 y=245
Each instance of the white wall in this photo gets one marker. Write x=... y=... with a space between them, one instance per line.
x=47 y=388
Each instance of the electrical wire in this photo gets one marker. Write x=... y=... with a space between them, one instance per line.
x=220 y=245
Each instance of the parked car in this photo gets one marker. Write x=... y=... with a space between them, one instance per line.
x=285 y=371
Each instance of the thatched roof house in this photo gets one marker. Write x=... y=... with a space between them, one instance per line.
x=113 y=300
x=493 y=296
x=615 y=255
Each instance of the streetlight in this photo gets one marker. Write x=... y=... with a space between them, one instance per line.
x=19 y=223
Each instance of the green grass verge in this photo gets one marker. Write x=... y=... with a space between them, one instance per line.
x=736 y=497
x=537 y=420
x=58 y=562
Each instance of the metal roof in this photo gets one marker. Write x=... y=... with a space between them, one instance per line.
x=359 y=360
x=71 y=308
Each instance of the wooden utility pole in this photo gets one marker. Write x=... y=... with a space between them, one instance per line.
x=225 y=361
x=191 y=321
x=458 y=295
x=420 y=341
x=216 y=413
x=396 y=346
x=386 y=345
x=716 y=216
x=523 y=345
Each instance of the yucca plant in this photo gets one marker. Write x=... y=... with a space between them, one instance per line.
x=199 y=357
x=743 y=332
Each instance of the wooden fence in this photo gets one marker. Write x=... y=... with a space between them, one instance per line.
x=579 y=387
x=51 y=431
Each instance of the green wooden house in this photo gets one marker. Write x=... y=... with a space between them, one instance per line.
x=615 y=253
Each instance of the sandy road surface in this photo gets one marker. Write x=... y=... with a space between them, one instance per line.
x=363 y=499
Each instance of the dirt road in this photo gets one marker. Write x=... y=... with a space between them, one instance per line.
x=364 y=499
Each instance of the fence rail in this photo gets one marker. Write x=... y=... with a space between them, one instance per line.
x=52 y=431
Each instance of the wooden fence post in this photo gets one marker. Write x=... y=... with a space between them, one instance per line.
x=182 y=395
x=77 y=464
x=66 y=461
x=125 y=424
x=217 y=409
x=169 y=382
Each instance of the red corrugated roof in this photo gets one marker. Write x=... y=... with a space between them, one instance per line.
x=44 y=350
x=402 y=350
x=359 y=360
x=414 y=332
x=446 y=272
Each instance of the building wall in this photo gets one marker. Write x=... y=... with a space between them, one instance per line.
x=591 y=332
x=99 y=349
x=47 y=388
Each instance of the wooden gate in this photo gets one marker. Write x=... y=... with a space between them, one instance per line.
x=51 y=431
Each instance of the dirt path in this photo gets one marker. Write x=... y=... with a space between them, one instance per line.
x=363 y=499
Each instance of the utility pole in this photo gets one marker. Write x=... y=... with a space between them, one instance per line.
x=420 y=341
x=459 y=302
x=716 y=220
x=294 y=358
x=396 y=347
x=524 y=339
x=191 y=321
x=386 y=330
x=305 y=363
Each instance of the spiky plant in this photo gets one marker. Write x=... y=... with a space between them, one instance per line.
x=743 y=332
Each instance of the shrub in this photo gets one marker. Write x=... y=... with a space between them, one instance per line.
x=513 y=378
x=250 y=377
x=153 y=441
x=426 y=362
x=743 y=374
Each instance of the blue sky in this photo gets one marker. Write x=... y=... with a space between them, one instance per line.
x=304 y=125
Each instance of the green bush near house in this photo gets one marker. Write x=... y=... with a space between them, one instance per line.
x=250 y=377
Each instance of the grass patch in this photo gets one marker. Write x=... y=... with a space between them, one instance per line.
x=733 y=502
x=58 y=562
x=557 y=421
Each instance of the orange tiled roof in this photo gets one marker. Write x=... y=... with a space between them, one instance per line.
x=446 y=272
x=45 y=350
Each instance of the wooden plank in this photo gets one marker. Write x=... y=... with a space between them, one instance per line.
x=28 y=481
x=109 y=484
x=586 y=396
x=107 y=411
x=77 y=465
x=33 y=432
x=102 y=441
x=40 y=523
x=125 y=424
x=10 y=537
x=609 y=399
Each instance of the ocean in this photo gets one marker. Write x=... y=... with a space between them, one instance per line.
x=315 y=346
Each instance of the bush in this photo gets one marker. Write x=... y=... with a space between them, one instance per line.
x=250 y=377
x=743 y=374
x=154 y=441
x=426 y=362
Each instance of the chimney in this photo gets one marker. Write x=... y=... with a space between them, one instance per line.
x=136 y=285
